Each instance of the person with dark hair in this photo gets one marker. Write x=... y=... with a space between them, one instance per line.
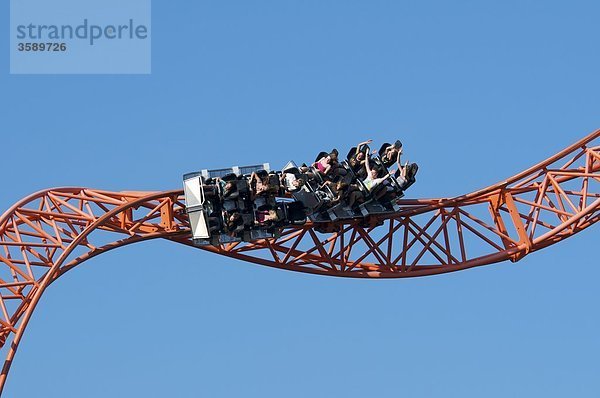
x=390 y=152
x=337 y=189
x=348 y=194
x=260 y=185
x=357 y=160
x=337 y=170
x=373 y=182
x=325 y=164
x=373 y=179
x=234 y=223
x=229 y=189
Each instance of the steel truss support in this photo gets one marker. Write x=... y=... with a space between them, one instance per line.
x=50 y=232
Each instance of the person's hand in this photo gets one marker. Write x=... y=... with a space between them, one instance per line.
x=374 y=151
x=368 y=141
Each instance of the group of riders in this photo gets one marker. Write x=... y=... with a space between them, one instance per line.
x=257 y=204
x=364 y=175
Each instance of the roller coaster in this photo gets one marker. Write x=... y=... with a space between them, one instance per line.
x=52 y=231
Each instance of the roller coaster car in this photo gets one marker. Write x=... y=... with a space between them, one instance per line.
x=212 y=197
x=224 y=205
x=371 y=206
x=387 y=193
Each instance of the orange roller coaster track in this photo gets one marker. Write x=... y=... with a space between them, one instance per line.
x=50 y=232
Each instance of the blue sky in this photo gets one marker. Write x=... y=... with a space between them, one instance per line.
x=476 y=90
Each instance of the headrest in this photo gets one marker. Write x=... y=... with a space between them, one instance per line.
x=351 y=153
x=383 y=146
x=229 y=177
x=290 y=167
x=321 y=155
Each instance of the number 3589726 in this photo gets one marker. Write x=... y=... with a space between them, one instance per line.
x=42 y=46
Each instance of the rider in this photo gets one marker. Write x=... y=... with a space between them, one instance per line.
x=357 y=161
x=325 y=164
x=262 y=186
x=372 y=181
x=264 y=216
x=390 y=152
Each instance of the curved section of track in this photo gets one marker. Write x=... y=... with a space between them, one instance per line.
x=50 y=232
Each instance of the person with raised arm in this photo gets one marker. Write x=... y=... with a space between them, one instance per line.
x=373 y=180
x=389 y=152
x=357 y=160
x=400 y=175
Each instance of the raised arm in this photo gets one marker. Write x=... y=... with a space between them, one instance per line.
x=368 y=166
x=382 y=179
x=398 y=162
x=359 y=146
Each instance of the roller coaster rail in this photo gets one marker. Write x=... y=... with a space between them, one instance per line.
x=52 y=231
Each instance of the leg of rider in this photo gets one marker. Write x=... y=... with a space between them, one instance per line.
x=352 y=198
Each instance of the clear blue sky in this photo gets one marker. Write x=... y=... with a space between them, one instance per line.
x=476 y=90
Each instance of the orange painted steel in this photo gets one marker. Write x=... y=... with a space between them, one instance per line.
x=50 y=232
